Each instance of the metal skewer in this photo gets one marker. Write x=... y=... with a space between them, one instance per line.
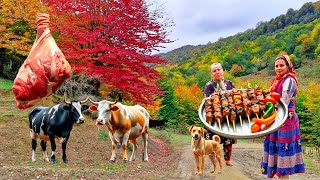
x=219 y=124
x=249 y=120
x=240 y=120
x=228 y=122
x=234 y=126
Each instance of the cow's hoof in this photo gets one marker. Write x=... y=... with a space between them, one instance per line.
x=53 y=161
x=65 y=160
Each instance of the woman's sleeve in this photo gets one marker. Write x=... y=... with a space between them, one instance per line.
x=208 y=89
x=232 y=85
x=288 y=88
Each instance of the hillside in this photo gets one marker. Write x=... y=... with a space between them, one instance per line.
x=306 y=14
x=306 y=74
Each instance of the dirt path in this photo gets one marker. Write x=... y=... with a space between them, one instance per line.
x=246 y=165
x=186 y=167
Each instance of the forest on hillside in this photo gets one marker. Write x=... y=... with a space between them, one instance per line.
x=306 y=14
x=249 y=54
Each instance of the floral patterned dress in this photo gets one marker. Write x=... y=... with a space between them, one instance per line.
x=282 y=149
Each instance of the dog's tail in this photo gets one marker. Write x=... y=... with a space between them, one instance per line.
x=216 y=138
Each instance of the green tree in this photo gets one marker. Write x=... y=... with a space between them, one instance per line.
x=169 y=109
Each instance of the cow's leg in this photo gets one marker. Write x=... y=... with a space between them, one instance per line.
x=134 y=148
x=44 y=149
x=64 y=155
x=145 y=137
x=113 y=151
x=53 y=148
x=34 y=146
x=124 y=146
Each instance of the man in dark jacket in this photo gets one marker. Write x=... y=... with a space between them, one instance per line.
x=218 y=83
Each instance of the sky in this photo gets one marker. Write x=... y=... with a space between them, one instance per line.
x=202 y=21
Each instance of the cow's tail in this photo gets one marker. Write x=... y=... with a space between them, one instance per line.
x=133 y=142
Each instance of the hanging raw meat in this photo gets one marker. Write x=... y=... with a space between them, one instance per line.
x=44 y=70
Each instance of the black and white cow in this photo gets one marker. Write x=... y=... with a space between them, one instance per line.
x=49 y=123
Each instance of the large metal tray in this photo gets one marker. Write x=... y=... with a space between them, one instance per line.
x=244 y=131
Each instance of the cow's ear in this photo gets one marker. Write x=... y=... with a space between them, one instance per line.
x=84 y=107
x=93 y=108
x=114 y=108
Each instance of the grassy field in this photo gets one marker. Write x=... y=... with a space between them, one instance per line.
x=5 y=84
x=88 y=149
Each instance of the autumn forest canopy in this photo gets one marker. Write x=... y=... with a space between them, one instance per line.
x=110 y=44
x=111 y=40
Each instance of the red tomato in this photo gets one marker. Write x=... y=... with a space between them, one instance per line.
x=275 y=96
x=269 y=99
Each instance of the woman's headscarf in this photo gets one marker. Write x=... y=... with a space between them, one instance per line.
x=292 y=73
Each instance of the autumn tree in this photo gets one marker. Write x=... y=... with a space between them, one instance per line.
x=18 y=24
x=18 y=30
x=112 y=41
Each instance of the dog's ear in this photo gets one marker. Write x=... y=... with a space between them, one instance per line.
x=190 y=128
x=203 y=130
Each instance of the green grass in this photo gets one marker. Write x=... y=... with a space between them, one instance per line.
x=5 y=84
x=169 y=137
x=311 y=165
x=103 y=136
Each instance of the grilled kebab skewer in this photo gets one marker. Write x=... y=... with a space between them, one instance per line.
x=246 y=105
x=208 y=110
x=260 y=98
x=238 y=105
x=217 y=108
x=232 y=109
x=224 y=106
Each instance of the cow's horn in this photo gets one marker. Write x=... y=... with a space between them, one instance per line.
x=93 y=102
x=115 y=102
x=64 y=99
x=84 y=101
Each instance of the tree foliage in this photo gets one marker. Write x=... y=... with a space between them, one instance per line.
x=18 y=24
x=309 y=114
x=112 y=41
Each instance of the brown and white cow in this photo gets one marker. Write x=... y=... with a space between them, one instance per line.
x=125 y=123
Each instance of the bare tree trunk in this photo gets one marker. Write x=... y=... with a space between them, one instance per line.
x=1 y=68
x=2 y=59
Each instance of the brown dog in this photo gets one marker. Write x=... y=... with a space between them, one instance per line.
x=201 y=147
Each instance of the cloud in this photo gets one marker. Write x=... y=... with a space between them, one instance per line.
x=203 y=21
